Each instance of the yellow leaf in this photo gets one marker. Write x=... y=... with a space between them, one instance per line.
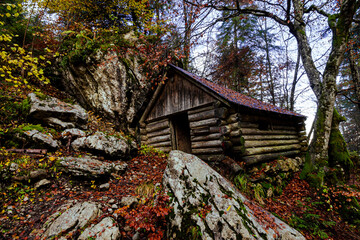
x=228 y=208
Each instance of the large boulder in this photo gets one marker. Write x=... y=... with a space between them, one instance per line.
x=65 y=223
x=55 y=113
x=108 y=84
x=207 y=206
x=101 y=144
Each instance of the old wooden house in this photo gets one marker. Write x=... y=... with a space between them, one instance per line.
x=197 y=116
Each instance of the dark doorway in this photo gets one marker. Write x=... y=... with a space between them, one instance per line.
x=181 y=132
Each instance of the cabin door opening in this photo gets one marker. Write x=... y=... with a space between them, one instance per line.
x=180 y=132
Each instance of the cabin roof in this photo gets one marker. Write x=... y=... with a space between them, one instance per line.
x=236 y=97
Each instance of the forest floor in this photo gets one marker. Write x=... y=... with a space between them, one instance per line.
x=314 y=212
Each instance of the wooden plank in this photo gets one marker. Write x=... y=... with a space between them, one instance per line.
x=279 y=127
x=269 y=137
x=270 y=143
x=159 y=139
x=28 y=151
x=212 y=136
x=207 y=150
x=143 y=131
x=164 y=149
x=269 y=156
x=261 y=150
x=206 y=144
x=252 y=131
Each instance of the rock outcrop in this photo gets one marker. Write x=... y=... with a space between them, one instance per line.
x=55 y=113
x=207 y=206
x=107 y=84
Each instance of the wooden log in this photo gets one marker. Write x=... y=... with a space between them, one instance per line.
x=142 y=124
x=249 y=125
x=164 y=149
x=207 y=150
x=304 y=143
x=143 y=131
x=156 y=122
x=269 y=137
x=249 y=144
x=233 y=118
x=202 y=115
x=204 y=130
x=28 y=151
x=303 y=133
x=159 y=133
x=212 y=136
x=304 y=149
x=261 y=150
x=303 y=138
x=226 y=145
x=239 y=149
x=206 y=144
x=159 y=139
x=212 y=157
x=281 y=127
x=252 y=131
x=161 y=144
x=269 y=156
x=272 y=120
x=225 y=130
x=206 y=122
x=234 y=126
x=157 y=126
x=238 y=141
x=236 y=133
x=221 y=112
x=143 y=138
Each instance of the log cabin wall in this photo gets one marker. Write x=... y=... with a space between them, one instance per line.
x=257 y=138
x=205 y=123
x=157 y=134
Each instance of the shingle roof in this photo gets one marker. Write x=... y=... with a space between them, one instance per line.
x=236 y=97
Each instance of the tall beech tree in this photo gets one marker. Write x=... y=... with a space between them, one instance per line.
x=296 y=15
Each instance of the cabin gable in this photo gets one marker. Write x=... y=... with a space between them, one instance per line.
x=178 y=95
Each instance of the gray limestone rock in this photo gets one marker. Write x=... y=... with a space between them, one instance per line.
x=53 y=112
x=87 y=166
x=204 y=201
x=74 y=133
x=104 y=230
x=101 y=144
x=72 y=219
x=41 y=140
x=107 y=85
